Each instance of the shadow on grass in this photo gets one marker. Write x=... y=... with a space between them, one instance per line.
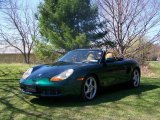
x=14 y=109
x=107 y=94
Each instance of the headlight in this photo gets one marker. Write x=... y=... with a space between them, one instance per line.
x=62 y=76
x=27 y=73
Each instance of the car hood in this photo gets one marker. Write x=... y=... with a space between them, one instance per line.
x=48 y=71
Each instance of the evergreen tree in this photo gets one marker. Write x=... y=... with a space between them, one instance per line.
x=68 y=24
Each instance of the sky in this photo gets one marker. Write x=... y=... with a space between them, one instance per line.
x=3 y=49
x=34 y=4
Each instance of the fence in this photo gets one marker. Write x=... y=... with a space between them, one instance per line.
x=15 y=58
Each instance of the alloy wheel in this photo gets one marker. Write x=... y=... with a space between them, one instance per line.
x=90 y=88
x=136 y=78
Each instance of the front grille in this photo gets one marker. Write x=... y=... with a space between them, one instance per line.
x=29 y=88
x=48 y=91
x=43 y=91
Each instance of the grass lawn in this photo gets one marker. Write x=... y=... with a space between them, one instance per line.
x=118 y=103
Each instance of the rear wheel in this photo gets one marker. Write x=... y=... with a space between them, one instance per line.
x=89 y=88
x=135 y=81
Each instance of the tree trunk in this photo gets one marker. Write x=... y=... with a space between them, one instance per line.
x=26 y=58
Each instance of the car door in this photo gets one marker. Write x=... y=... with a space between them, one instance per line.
x=121 y=71
x=113 y=72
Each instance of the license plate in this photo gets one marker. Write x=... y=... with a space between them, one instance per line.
x=31 y=89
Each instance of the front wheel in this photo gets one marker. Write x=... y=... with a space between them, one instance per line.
x=135 y=81
x=89 y=88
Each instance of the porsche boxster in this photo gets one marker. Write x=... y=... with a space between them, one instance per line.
x=81 y=72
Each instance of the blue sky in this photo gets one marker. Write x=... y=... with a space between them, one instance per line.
x=31 y=3
x=34 y=4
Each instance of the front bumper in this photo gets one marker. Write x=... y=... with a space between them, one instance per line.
x=50 y=90
x=41 y=90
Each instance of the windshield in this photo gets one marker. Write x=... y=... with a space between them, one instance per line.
x=82 y=56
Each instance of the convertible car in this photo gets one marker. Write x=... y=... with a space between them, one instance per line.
x=81 y=72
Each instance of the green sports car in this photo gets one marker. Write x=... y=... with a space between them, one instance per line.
x=81 y=72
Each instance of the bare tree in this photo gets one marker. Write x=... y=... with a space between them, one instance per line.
x=19 y=27
x=129 y=21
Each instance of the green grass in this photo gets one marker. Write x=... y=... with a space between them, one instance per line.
x=119 y=103
x=155 y=67
x=12 y=71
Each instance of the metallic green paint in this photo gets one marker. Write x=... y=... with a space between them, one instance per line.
x=107 y=72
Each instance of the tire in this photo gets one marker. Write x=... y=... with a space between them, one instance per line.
x=135 y=80
x=89 y=88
